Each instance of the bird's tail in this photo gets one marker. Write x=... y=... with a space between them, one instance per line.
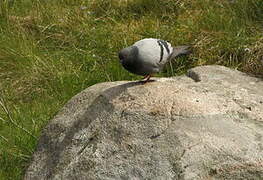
x=180 y=51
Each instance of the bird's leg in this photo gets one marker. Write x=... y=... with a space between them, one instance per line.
x=147 y=78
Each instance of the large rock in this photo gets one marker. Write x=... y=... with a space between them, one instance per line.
x=205 y=125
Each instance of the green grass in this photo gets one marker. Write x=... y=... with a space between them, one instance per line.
x=51 y=50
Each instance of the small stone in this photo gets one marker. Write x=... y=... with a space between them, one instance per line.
x=249 y=108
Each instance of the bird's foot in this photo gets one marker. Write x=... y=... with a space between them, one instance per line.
x=147 y=78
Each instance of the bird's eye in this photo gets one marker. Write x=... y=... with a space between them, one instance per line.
x=121 y=56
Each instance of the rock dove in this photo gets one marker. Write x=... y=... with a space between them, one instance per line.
x=148 y=56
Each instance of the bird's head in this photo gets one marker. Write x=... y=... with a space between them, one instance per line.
x=128 y=55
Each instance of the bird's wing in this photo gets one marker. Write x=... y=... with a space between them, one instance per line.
x=180 y=51
x=154 y=51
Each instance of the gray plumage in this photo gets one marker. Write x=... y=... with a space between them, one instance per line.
x=149 y=56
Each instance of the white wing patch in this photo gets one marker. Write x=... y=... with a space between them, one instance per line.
x=154 y=51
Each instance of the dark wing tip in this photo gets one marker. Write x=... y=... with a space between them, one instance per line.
x=181 y=51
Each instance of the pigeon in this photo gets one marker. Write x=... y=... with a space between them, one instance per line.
x=149 y=56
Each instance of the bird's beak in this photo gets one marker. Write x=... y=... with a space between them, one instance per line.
x=121 y=60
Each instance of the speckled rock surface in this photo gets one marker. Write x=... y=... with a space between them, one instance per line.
x=207 y=124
